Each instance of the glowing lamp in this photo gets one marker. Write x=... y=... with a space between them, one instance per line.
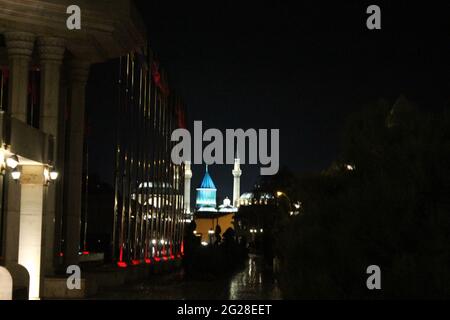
x=13 y=161
x=54 y=175
x=15 y=174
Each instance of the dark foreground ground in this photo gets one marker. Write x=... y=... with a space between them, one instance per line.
x=251 y=283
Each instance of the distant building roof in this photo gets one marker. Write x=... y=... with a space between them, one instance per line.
x=250 y=198
x=226 y=206
x=207 y=182
x=259 y=196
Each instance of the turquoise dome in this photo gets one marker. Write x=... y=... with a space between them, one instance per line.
x=206 y=194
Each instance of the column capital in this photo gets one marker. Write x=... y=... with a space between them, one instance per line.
x=51 y=49
x=79 y=71
x=19 y=44
x=32 y=175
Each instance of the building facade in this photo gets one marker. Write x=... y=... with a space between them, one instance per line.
x=212 y=221
x=44 y=71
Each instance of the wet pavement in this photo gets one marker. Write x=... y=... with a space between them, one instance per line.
x=253 y=282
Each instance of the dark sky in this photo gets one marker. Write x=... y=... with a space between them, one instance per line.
x=301 y=68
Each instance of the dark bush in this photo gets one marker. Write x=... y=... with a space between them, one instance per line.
x=393 y=211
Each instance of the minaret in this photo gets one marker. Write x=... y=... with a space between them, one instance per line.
x=187 y=187
x=236 y=182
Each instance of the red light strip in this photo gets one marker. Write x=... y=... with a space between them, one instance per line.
x=120 y=263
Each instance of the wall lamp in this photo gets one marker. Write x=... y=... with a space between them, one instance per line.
x=9 y=162
x=12 y=161
x=50 y=175
x=15 y=174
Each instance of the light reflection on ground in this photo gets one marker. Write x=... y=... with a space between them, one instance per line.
x=254 y=282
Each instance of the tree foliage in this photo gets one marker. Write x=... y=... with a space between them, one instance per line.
x=392 y=210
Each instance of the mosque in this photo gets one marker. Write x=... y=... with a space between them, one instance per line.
x=207 y=215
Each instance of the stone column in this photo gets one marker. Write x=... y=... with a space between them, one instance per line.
x=30 y=235
x=6 y=284
x=79 y=72
x=20 y=48
x=12 y=220
x=51 y=53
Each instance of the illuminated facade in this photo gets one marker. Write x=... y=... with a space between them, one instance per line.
x=207 y=216
x=206 y=224
x=44 y=75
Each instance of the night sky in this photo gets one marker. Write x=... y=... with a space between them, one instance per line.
x=300 y=68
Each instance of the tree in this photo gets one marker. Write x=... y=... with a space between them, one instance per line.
x=391 y=210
